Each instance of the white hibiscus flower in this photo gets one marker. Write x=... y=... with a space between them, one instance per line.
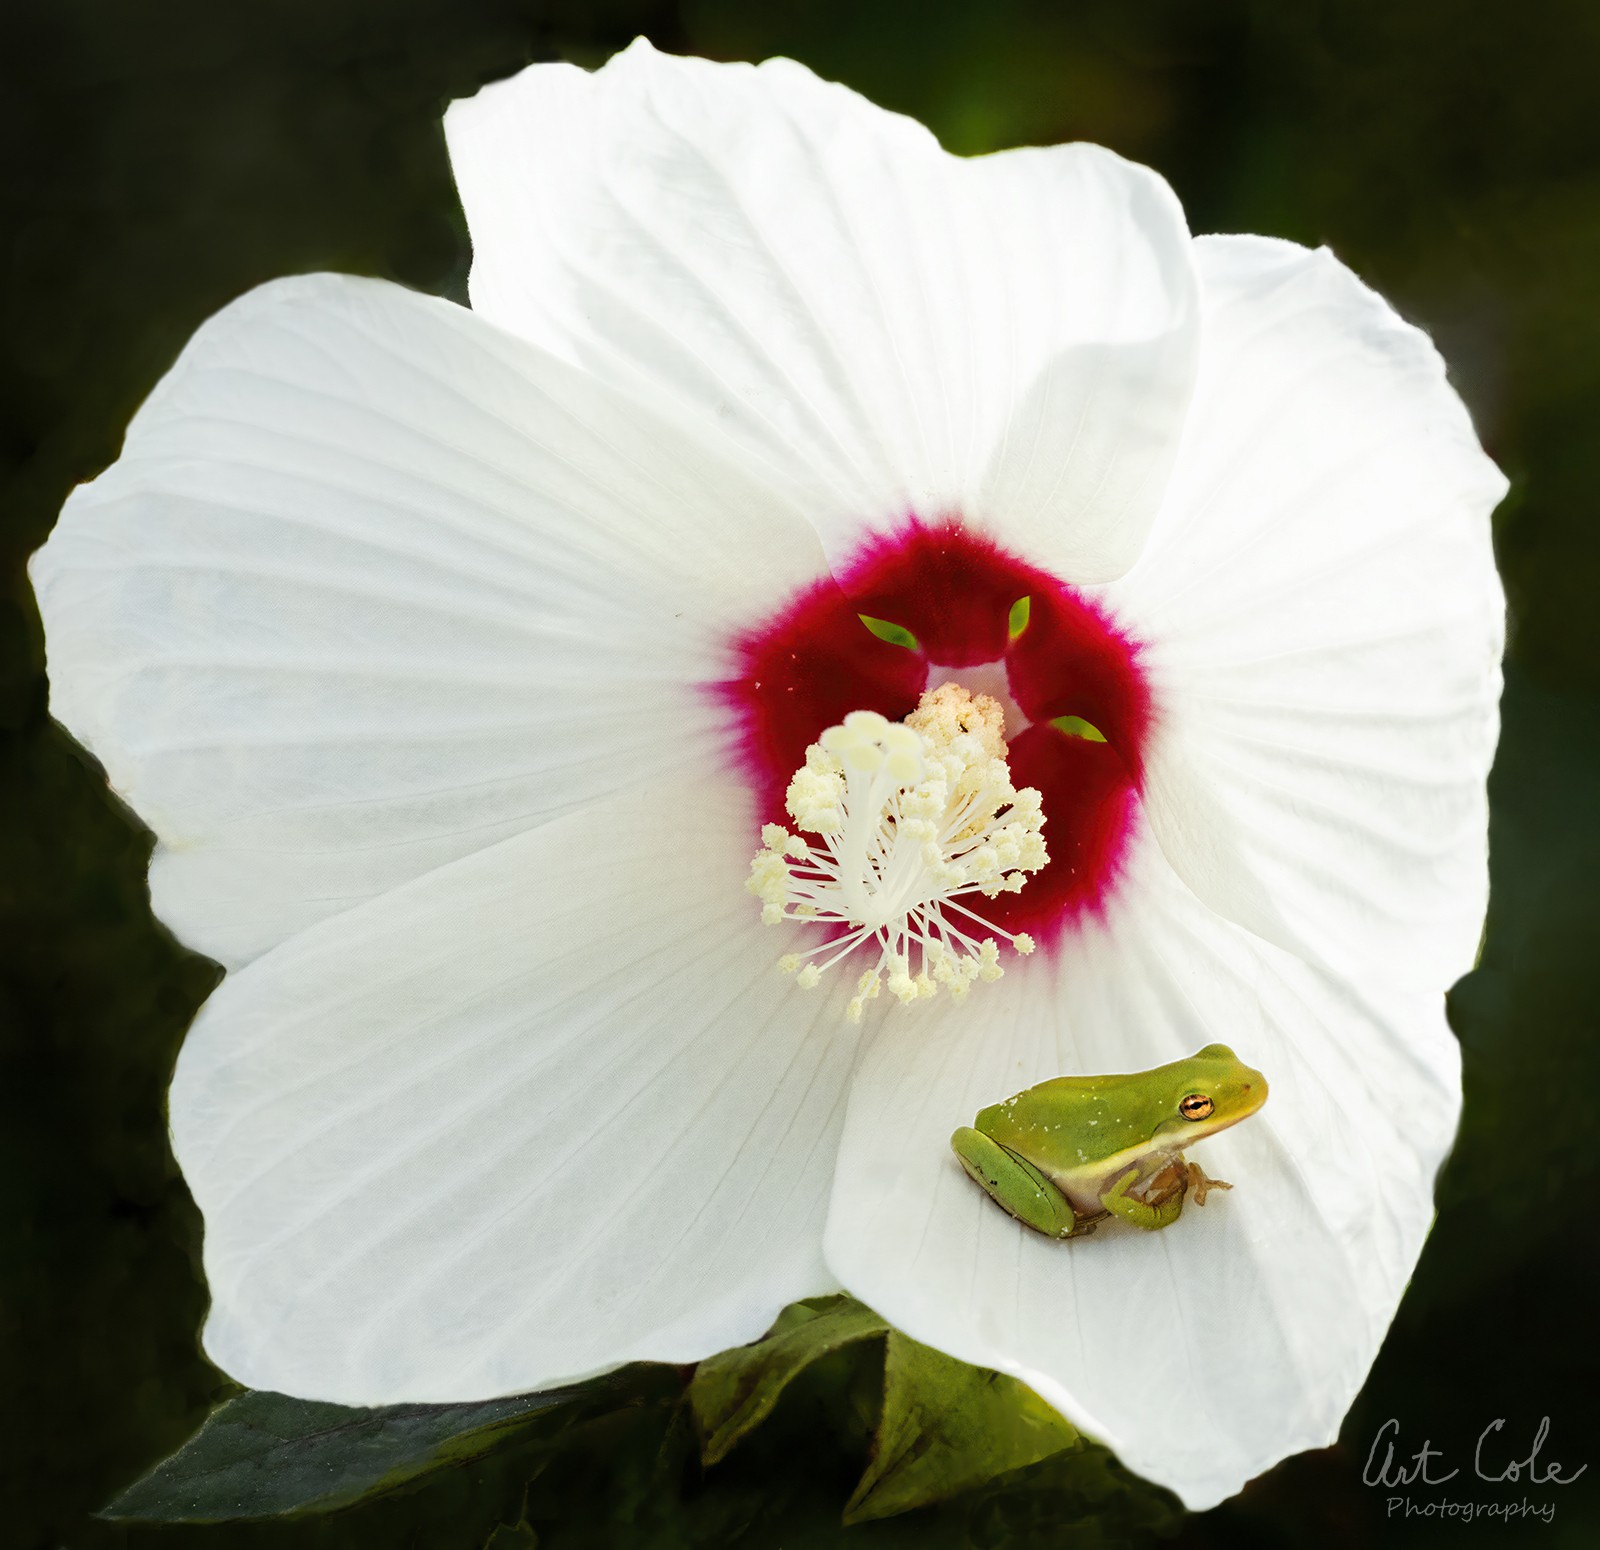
x=457 y=658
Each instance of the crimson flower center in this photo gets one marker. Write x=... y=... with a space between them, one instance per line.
x=935 y=603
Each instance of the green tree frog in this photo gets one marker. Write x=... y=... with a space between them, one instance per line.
x=1066 y=1154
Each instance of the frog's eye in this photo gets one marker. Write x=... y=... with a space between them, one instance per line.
x=1195 y=1106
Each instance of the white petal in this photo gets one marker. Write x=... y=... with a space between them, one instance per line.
x=543 y=1111
x=1203 y=1353
x=1324 y=626
x=375 y=584
x=888 y=326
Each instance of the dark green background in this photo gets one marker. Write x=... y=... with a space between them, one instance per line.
x=161 y=158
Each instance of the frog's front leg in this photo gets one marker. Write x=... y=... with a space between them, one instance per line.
x=1201 y=1184
x=1016 y=1185
x=1150 y=1217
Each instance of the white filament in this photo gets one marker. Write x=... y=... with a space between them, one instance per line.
x=907 y=819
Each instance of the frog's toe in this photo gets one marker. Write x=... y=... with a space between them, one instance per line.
x=1202 y=1185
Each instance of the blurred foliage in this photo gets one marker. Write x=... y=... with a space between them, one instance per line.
x=158 y=159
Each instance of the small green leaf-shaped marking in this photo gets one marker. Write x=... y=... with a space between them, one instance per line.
x=1076 y=726
x=895 y=634
x=1021 y=610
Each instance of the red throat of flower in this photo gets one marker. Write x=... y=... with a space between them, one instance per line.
x=936 y=602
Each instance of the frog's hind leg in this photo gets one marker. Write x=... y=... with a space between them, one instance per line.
x=1142 y=1214
x=1015 y=1185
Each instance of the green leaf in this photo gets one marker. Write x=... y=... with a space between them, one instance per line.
x=895 y=634
x=1076 y=726
x=1082 y=1497
x=736 y=1391
x=1017 y=622
x=947 y=1428
x=262 y=1453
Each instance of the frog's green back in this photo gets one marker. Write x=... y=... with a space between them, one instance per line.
x=1077 y=1121
x=1094 y=1116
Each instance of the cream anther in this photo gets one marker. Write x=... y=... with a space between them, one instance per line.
x=909 y=818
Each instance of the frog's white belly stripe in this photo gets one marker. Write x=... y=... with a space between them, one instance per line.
x=1085 y=1186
